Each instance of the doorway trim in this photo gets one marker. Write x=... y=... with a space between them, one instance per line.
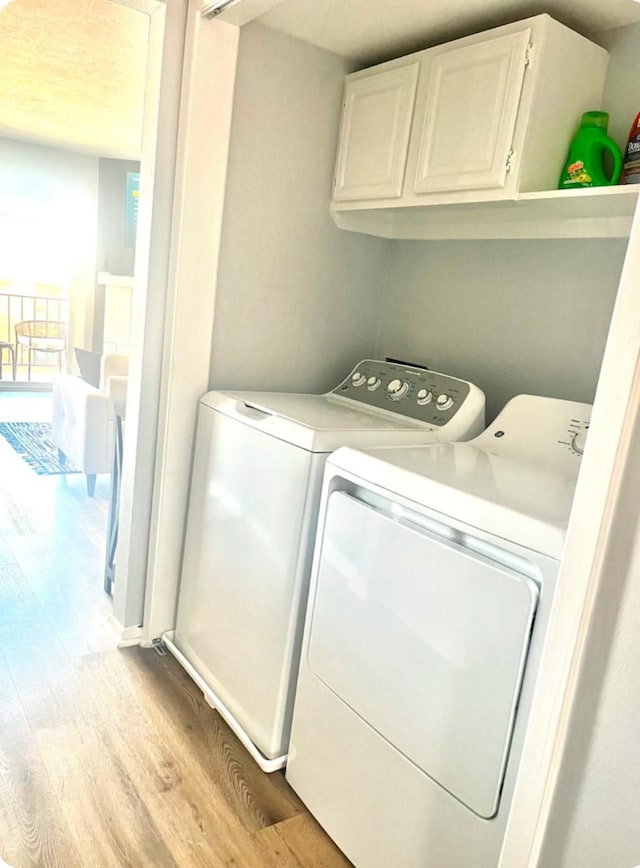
x=205 y=129
x=567 y=671
x=167 y=27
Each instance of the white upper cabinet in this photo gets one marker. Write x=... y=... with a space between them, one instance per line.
x=472 y=102
x=374 y=135
x=493 y=118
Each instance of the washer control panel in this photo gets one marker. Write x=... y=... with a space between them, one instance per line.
x=426 y=396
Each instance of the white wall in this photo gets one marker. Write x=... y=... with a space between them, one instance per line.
x=297 y=299
x=512 y=316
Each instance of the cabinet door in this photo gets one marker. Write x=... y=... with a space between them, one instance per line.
x=472 y=103
x=374 y=135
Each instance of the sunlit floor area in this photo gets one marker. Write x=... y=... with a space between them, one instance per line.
x=112 y=757
x=38 y=374
x=18 y=406
x=52 y=552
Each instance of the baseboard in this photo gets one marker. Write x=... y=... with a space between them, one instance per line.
x=128 y=635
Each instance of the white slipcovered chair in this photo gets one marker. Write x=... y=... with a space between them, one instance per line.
x=83 y=417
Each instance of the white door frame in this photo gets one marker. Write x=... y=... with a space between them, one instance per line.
x=614 y=434
x=167 y=24
x=203 y=145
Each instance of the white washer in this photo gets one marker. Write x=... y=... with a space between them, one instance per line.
x=432 y=581
x=253 y=507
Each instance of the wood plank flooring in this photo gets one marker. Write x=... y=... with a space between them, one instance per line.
x=112 y=758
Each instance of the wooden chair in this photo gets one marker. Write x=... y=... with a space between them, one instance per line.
x=5 y=345
x=42 y=336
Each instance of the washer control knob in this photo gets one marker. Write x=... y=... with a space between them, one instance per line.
x=358 y=379
x=373 y=383
x=444 y=401
x=577 y=442
x=424 y=396
x=397 y=389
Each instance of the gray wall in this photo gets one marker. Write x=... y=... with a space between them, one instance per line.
x=297 y=299
x=511 y=316
x=112 y=253
x=514 y=316
x=622 y=87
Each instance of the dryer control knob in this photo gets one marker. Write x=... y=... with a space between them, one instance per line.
x=444 y=401
x=373 y=383
x=424 y=396
x=397 y=389
x=577 y=442
x=358 y=379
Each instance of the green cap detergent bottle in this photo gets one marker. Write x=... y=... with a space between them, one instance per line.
x=585 y=166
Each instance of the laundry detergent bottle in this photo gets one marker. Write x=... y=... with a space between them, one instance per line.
x=587 y=160
x=631 y=166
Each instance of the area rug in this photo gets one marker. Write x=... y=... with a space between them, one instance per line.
x=34 y=444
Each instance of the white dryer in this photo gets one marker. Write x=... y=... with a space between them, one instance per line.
x=433 y=577
x=253 y=508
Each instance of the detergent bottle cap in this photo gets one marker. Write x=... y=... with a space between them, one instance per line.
x=595 y=119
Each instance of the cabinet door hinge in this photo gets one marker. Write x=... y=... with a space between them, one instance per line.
x=510 y=159
x=528 y=55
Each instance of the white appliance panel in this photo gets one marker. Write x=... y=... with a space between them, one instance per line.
x=254 y=501
x=371 y=799
x=244 y=559
x=488 y=491
x=516 y=479
x=375 y=806
x=431 y=561
x=436 y=639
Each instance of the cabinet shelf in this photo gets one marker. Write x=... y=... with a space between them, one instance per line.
x=594 y=212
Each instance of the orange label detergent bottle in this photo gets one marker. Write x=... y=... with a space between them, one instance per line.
x=631 y=164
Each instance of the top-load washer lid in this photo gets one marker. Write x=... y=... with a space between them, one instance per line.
x=516 y=480
x=317 y=423
x=378 y=404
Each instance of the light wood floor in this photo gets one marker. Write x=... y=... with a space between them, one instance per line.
x=107 y=757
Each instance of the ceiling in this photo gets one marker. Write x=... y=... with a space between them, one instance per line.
x=73 y=75
x=368 y=31
x=73 y=71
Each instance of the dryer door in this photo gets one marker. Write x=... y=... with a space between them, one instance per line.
x=426 y=641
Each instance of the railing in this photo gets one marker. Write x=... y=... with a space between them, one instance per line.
x=15 y=308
